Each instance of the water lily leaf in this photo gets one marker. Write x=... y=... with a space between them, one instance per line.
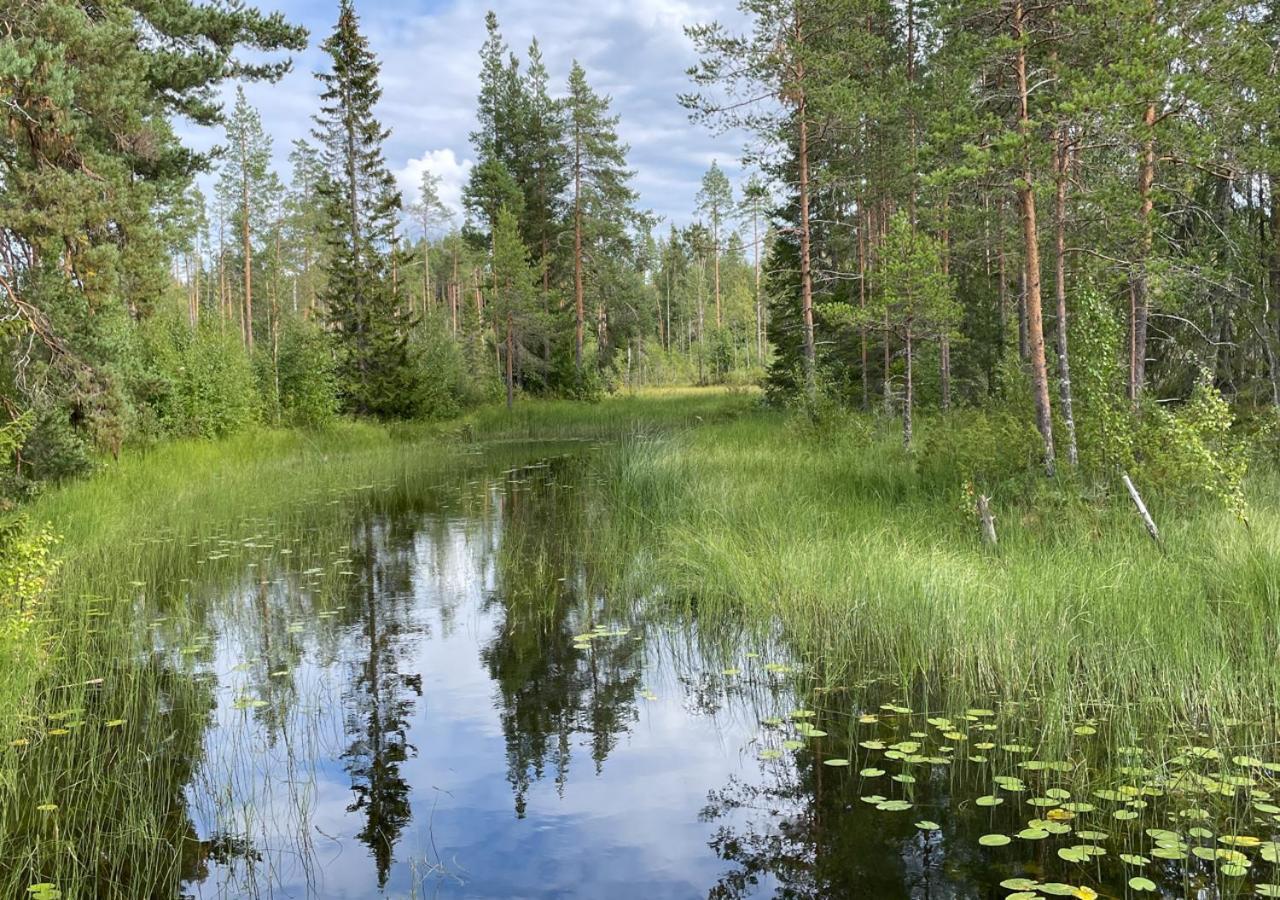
x=989 y=801
x=835 y=762
x=1019 y=884
x=1134 y=859
x=927 y=825
x=871 y=773
x=995 y=840
x=1140 y=884
x=1033 y=834
x=894 y=806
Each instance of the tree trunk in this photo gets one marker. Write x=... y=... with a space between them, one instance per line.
x=908 y=394
x=806 y=272
x=247 y=250
x=1141 y=306
x=944 y=340
x=579 y=299
x=1060 y=295
x=715 y=240
x=862 y=304
x=755 y=230
x=1030 y=239
x=511 y=353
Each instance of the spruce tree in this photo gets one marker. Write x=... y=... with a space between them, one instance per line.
x=516 y=311
x=363 y=206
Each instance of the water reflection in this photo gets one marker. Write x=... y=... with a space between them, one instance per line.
x=437 y=697
x=440 y=700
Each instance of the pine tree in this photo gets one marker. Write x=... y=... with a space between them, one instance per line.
x=363 y=207
x=754 y=207
x=601 y=196
x=306 y=222
x=916 y=301
x=715 y=200
x=430 y=212
x=247 y=185
x=88 y=160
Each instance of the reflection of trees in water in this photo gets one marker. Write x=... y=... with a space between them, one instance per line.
x=802 y=828
x=380 y=697
x=549 y=690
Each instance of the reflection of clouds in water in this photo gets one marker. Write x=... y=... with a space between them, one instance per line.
x=626 y=822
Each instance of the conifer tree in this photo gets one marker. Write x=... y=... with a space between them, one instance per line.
x=715 y=201
x=363 y=207
x=516 y=310
x=247 y=185
x=601 y=196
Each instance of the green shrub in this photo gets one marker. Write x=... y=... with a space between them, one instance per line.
x=196 y=382
x=308 y=386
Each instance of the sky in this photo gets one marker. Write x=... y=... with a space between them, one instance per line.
x=633 y=50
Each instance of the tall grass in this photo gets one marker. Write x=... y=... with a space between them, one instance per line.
x=871 y=569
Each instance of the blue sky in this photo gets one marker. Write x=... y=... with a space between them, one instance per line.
x=633 y=50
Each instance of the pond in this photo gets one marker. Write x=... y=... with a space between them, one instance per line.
x=439 y=694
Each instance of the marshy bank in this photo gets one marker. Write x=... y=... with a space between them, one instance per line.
x=670 y=645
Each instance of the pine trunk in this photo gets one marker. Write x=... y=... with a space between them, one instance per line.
x=1031 y=246
x=1141 y=307
x=806 y=272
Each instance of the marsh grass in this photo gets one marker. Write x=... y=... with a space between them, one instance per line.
x=825 y=545
x=871 y=568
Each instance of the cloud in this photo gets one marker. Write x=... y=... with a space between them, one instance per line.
x=634 y=50
x=444 y=164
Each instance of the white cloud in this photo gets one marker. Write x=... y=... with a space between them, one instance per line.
x=634 y=50
x=445 y=165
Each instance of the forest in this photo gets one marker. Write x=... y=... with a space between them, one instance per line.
x=950 y=404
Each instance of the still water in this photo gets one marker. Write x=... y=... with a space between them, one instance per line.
x=436 y=693
x=462 y=716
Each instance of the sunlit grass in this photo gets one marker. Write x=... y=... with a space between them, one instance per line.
x=870 y=569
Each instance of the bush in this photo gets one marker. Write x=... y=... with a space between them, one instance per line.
x=196 y=383
x=445 y=385
x=1192 y=451
x=306 y=379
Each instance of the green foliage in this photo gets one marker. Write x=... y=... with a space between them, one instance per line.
x=1193 y=451
x=447 y=384
x=26 y=565
x=363 y=309
x=1104 y=418
x=989 y=447
x=308 y=383
x=197 y=383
